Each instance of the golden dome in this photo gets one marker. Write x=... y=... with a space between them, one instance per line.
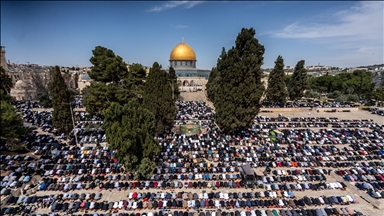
x=182 y=51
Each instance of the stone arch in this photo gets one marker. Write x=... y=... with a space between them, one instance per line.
x=179 y=83
x=186 y=83
x=192 y=83
x=198 y=83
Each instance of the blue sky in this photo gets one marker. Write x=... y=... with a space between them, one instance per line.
x=341 y=34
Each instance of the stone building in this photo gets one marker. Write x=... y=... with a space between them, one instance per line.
x=183 y=59
x=23 y=90
x=84 y=81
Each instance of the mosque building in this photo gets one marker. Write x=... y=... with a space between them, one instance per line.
x=183 y=60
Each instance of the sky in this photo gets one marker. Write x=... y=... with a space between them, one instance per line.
x=339 y=34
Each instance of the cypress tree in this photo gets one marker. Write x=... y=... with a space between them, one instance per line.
x=299 y=81
x=214 y=76
x=157 y=98
x=61 y=99
x=239 y=88
x=173 y=80
x=277 y=90
x=211 y=84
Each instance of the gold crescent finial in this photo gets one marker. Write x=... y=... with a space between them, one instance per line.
x=182 y=39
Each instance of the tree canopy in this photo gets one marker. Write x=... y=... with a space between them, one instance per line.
x=214 y=76
x=130 y=130
x=61 y=100
x=173 y=79
x=158 y=98
x=238 y=89
x=112 y=81
x=298 y=82
x=11 y=122
x=358 y=83
x=378 y=94
x=107 y=67
x=135 y=80
x=277 y=90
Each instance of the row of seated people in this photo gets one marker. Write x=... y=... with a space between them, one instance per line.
x=192 y=204
x=252 y=212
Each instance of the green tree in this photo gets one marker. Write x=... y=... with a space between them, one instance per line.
x=107 y=67
x=61 y=100
x=173 y=80
x=130 y=131
x=239 y=87
x=112 y=81
x=95 y=98
x=334 y=94
x=135 y=80
x=299 y=81
x=287 y=79
x=158 y=98
x=5 y=81
x=277 y=90
x=311 y=94
x=4 y=96
x=358 y=83
x=214 y=76
x=11 y=122
x=146 y=168
x=378 y=94
x=211 y=84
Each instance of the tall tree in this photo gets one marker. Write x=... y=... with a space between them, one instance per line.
x=211 y=84
x=277 y=90
x=112 y=81
x=135 y=80
x=130 y=130
x=173 y=80
x=95 y=98
x=158 y=98
x=5 y=81
x=214 y=76
x=11 y=122
x=107 y=67
x=146 y=168
x=378 y=94
x=239 y=88
x=299 y=81
x=61 y=100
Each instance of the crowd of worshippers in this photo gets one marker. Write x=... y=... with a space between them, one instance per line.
x=282 y=121
x=305 y=103
x=369 y=179
x=202 y=161
x=293 y=147
x=84 y=116
x=194 y=110
x=164 y=206
x=77 y=102
x=87 y=128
